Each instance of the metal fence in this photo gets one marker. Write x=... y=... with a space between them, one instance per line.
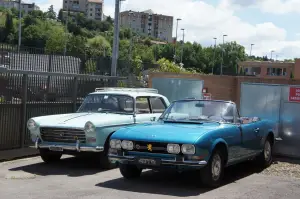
x=25 y=94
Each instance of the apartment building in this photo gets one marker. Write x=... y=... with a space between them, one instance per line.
x=26 y=7
x=148 y=23
x=93 y=9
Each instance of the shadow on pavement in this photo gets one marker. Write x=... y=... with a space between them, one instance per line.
x=174 y=184
x=71 y=166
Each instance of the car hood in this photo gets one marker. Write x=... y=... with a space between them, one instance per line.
x=166 y=132
x=78 y=120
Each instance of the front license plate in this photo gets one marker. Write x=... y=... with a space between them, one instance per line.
x=150 y=162
x=55 y=148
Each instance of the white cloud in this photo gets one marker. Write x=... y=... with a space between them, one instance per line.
x=203 y=21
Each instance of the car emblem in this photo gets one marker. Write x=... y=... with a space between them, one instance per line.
x=149 y=147
x=75 y=138
x=137 y=146
x=62 y=134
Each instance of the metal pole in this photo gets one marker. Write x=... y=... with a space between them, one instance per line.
x=176 y=40
x=115 y=50
x=272 y=54
x=182 y=45
x=130 y=47
x=214 y=62
x=222 y=56
x=65 y=49
x=20 y=26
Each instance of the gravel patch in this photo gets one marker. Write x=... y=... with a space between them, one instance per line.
x=284 y=167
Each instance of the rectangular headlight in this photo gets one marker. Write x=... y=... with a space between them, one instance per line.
x=115 y=144
x=128 y=145
x=173 y=148
x=188 y=149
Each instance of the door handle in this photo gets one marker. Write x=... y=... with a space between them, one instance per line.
x=256 y=130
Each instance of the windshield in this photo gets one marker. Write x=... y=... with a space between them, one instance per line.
x=107 y=103
x=199 y=111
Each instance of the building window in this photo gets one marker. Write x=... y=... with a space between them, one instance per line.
x=91 y=14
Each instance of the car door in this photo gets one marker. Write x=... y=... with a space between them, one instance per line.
x=143 y=109
x=149 y=108
x=250 y=133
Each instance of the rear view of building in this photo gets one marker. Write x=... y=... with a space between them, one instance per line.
x=148 y=23
x=26 y=7
x=92 y=9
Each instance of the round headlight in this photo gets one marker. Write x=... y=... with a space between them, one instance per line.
x=89 y=127
x=31 y=124
x=115 y=144
x=128 y=145
x=173 y=148
x=188 y=149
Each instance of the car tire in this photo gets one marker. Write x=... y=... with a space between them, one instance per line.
x=49 y=156
x=130 y=171
x=212 y=174
x=265 y=158
x=104 y=161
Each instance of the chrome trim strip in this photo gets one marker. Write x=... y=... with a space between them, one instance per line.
x=163 y=161
x=77 y=147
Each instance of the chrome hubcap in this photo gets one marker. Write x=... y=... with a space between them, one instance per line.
x=216 y=167
x=267 y=151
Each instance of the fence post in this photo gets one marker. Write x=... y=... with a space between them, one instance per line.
x=75 y=91
x=23 y=109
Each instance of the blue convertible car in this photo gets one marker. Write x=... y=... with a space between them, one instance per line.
x=193 y=134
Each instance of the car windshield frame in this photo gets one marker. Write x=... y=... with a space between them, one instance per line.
x=222 y=119
x=81 y=108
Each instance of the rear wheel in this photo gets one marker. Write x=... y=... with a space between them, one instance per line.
x=130 y=171
x=212 y=174
x=49 y=156
x=265 y=159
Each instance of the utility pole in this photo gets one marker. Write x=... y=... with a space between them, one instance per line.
x=130 y=47
x=20 y=26
x=115 y=51
x=272 y=54
x=214 y=62
x=65 y=49
x=182 y=45
x=222 y=55
x=178 y=19
x=251 y=49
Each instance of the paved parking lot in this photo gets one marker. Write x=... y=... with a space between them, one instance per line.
x=75 y=178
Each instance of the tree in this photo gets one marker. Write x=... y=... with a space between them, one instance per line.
x=56 y=40
x=51 y=14
x=60 y=15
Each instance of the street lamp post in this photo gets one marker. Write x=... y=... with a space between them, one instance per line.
x=20 y=26
x=182 y=45
x=130 y=47
x=251 y=49
x=178 y=19
x=222 y=55
x=214 y=62
x=272 y=54
x=115 y=51
x=65 y=48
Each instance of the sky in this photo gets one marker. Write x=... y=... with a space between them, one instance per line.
x=271 y=25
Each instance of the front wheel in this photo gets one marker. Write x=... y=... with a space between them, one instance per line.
x=265 y=159
x=49 y=156
x=104 y=161
x=130 y=171
x=213 y=172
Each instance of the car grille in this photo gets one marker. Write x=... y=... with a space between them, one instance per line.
x=156 y=147
x=62 y=135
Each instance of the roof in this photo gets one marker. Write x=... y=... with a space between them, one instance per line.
x=95 y=1
x=191 y=99
x=148 y=12
x=40 y=63
x=130 y=93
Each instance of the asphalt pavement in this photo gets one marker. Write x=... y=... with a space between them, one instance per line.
x=78 y=178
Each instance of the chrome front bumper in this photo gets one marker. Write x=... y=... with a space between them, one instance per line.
x=77 y=147
x=174 y=162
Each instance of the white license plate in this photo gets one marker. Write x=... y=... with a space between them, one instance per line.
x=55 y=148
x=148 y=161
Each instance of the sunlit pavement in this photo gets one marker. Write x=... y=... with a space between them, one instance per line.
x=77 y=178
